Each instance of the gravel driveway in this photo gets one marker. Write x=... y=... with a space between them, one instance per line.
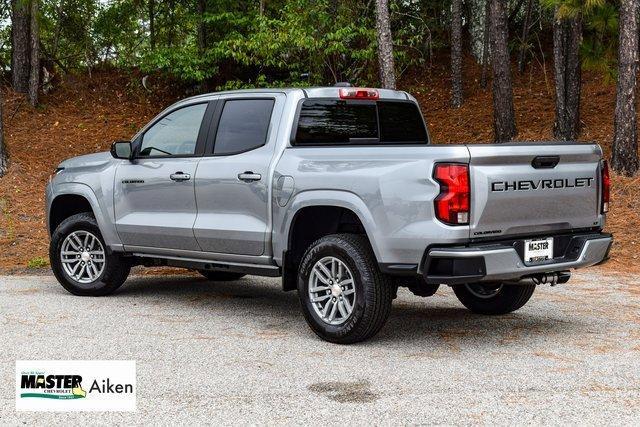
x=235 y=353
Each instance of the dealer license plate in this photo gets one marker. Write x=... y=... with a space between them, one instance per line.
x=537 y=250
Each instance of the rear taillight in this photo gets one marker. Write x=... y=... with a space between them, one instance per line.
x=358 y=93
x=606 y=186
x=452 y=204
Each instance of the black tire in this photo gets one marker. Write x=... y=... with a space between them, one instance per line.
x=221 y=276
x=116 y=269
x=373 y=290
x=418 y=286
x=507 y=299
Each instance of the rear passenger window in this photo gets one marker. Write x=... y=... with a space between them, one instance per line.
x=331 y=121
x=243 y=125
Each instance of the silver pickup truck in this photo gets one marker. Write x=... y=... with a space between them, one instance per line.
x=338 y=191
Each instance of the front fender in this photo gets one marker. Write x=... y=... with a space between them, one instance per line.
x=103 y=215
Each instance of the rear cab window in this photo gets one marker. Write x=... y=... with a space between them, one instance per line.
x=355 y=122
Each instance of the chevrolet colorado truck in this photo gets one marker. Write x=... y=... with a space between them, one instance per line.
x=339 y=191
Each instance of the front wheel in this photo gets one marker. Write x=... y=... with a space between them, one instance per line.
x=80 y=259
x=344 y=296
x=493 y=298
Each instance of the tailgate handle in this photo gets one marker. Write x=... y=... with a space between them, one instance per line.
x=545 y=162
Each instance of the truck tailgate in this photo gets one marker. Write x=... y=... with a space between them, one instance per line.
x=532 y=189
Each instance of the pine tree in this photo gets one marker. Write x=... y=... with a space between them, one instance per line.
x=202 y=34
x=504 y=122
x=625 y=141
x=485 y=44
x=385 y=45
x=34 y=74
x=525 y=35
x=567 y=36
x=20 y=60
x=456 y=53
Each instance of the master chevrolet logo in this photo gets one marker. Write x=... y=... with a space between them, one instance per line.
x=52 y=386
x=541 y=184
x=75 y=385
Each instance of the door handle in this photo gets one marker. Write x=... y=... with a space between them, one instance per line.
x=180 y=176
x=249 y=176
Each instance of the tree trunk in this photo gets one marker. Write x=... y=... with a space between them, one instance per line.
x=385 y=45
x=567 y=36
x=625 y=141
x=152 y=29
x=34 y=75
x=20 y=52
x=476 y=23
x=525 y=36
x=504 y=123
x=456 y=53
x=514 y=12
x=202 y=35
x=4 y=155
x=262 y=7
x=172 y=23
x=485 y=44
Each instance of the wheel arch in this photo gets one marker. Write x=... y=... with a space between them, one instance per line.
x=314 y=214
x=73 y=198
x=65 y=205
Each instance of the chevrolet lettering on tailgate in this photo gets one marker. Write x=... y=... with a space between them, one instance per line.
x=540 y=184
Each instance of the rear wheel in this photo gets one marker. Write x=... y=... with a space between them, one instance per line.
x=344 y=296
x=493 y=298
x=80 y=259
x=221 y=276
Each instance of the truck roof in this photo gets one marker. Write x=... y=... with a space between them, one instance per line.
x=308 y=92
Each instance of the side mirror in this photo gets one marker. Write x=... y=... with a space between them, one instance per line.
x=122 y=150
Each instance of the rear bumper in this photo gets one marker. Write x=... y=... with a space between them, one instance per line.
x=504 y=261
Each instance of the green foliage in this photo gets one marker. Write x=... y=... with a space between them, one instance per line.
x=66 y=31
x=328 y=42
x=599 y=49
x=118 y=43
x=419 y=28
x=231 y=44
x=567 y=9
x=38 y=262
x=5 y=36
x=600 y=31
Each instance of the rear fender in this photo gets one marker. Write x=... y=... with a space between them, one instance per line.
x=337 y=198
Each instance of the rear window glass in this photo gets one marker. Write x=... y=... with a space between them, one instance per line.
x=323 y=122
x=336 y=122
x=401 y=122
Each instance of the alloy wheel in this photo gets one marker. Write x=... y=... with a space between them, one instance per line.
x=82 y=256
x=332 y=291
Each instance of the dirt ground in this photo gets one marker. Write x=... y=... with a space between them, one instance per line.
x=85 y=114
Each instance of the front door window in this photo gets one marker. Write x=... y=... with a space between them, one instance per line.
x=175 y=134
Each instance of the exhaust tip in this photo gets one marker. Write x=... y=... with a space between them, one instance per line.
x=563 y=277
